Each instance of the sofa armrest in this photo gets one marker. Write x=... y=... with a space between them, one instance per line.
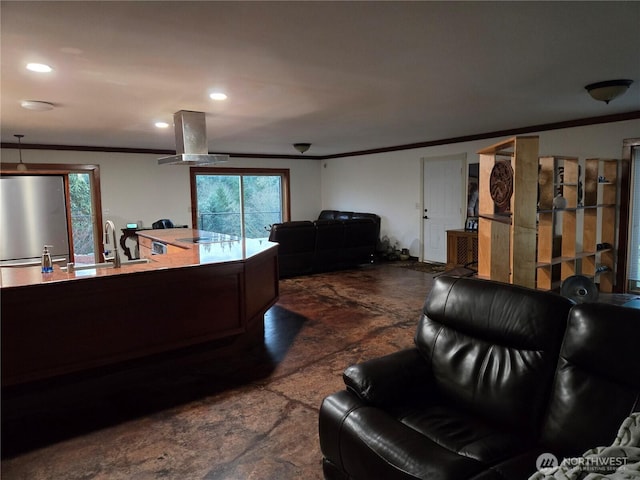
x=389 y=379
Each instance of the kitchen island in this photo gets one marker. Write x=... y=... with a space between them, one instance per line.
x=207 y=287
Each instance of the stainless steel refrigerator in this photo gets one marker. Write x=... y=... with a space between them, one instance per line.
x=33 y=213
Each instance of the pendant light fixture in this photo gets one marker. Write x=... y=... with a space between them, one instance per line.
x=21 y=167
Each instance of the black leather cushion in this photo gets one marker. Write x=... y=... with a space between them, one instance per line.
x=359 y=240
x=335 y=215
x=368 y=443
x=597 y=384
x=372 y=216
x=393 y=379
x=359 y=215
x=493 y=349
x=294 y=237
x=329 y=244
x=518 y=467
x=343 y=215
x=359 y=232
x=296 y=246
x=328 y=215
x=339 y=215
x=463 y=433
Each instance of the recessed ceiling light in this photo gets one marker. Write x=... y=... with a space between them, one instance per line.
x=217 y=96
x=162 y=125
x=36 y=105
x=39 y=67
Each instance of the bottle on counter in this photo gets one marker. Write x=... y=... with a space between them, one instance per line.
x=47 y=264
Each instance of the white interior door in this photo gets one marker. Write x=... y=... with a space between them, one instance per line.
x=444 y=203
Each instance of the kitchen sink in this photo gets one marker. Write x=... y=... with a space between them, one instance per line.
x=93 y=266
x=136 y=261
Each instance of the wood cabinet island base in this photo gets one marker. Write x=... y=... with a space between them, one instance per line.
x=60 y=327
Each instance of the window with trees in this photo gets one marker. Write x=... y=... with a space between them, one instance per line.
x=82 y=226
x=239 y=202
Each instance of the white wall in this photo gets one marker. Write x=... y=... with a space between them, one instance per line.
x=389 y=184
x=135 y=188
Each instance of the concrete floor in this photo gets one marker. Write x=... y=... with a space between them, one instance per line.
x=207 y=414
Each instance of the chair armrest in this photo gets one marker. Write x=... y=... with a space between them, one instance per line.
x=389 y=379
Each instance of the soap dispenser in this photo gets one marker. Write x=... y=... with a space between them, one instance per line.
x=47 y=264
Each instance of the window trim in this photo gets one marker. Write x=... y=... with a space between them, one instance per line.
x=281 y=172
x=629 y=145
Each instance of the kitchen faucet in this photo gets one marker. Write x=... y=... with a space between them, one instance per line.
x=116 y=257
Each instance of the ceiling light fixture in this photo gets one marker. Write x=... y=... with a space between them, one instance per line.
x=21 y=167
x=219 y=96
x=302 y=147
x=161 y=125
x=39 y=67
x=608 y=90
x=36 y=105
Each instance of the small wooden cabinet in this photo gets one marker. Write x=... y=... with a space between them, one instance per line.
x=462 y=248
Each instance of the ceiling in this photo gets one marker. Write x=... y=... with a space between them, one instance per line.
x=344 y=76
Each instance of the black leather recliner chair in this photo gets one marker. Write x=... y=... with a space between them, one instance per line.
x=486 y=389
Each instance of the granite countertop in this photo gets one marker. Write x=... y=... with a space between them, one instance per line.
x=214 y=249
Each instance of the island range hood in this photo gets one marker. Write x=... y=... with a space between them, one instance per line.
x=191 y=141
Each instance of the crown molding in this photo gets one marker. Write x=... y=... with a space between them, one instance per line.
x=618 y=117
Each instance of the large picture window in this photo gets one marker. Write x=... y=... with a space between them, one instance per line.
x=239 y=202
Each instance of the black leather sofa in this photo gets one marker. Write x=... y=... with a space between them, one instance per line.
x=499 y=375
x=335 y=240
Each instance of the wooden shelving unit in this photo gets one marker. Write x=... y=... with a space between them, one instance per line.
x=556 y=255
x=607 y=198
x=568 y=237
x=534 y=241
x=507 y=239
